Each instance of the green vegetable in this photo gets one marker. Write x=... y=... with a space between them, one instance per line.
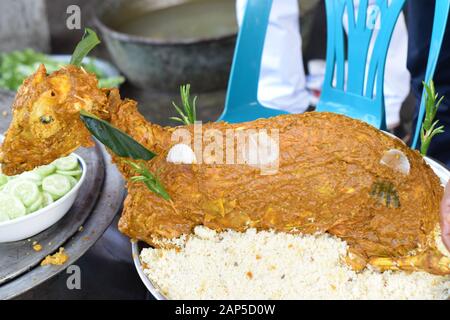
x=89 y=42
x=429 y=129
x=188 y=114
x=26 y=190
x=118 y=141
x=11 y=207
x=71 y=173
x=45 y=170
x=17 y=65
x=110 y=82
x=66 y=163
x=3 y=179
x=149 y=179
x=34 y=190
x=31 y=176
x=36 y=205
x=7 y=188
x=47 y=199
x=73 y=181
x=57 y=185
x=3 y=216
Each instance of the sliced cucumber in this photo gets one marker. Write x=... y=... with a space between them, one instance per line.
x=48 y=199
x=31 y=176
x=72 y=173
x=11 y=206
x=7 y=188
x=46 y=170
x=30 y=191
x=27 y=191
x=3 y=216
x=73 y=181
x=57 y=185
x=66 y=164
x=36 y=205
x=3 y=179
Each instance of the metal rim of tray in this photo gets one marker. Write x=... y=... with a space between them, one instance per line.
x=136 y=246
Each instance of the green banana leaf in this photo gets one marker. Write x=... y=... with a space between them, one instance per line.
x=118 y=141
x=89 y=41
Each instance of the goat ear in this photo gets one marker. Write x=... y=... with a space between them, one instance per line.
x=33 y=80
x=38 y=76
x=41 y=73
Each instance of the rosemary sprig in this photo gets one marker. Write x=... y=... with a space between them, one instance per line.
x=188 y=114
x=149 y=179
x=429 y=127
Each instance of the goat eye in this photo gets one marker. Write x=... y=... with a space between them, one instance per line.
x=46 y=119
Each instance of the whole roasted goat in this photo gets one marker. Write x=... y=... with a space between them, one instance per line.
x=334 y=175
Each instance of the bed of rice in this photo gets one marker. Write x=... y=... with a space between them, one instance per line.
x=269 y=265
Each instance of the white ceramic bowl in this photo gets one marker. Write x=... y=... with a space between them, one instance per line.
x=33 y=223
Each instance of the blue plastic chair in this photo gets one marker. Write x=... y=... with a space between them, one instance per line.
x=440 y=21
x=357 y=99
x=241 y=103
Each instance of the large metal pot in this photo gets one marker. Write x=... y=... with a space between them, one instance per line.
x=164 y=64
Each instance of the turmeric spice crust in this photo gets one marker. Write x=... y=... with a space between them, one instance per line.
x=328 y=165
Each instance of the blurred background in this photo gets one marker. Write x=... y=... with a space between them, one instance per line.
x=162 y=43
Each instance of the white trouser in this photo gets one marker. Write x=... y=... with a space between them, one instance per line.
x=282 y=77
x=282 y=83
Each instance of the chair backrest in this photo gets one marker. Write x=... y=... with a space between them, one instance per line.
x=354 y=77
x=358 y=91
x=242 y=96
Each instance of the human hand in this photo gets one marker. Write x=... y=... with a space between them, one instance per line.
x=445 y=217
